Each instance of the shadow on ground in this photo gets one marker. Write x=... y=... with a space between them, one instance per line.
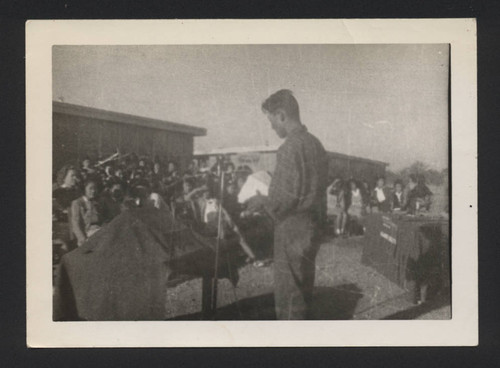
x=329 y=303
x=436 y=302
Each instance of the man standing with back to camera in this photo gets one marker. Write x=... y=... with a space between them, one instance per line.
x=297 y=203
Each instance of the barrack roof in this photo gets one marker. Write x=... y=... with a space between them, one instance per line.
x=118 y=117
x=269 y=149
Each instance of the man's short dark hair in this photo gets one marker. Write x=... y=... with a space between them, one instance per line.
x=283 y=99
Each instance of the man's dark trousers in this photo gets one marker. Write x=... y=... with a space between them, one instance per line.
x=296 y=244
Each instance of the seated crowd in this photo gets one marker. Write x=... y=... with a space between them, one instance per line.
x=86 y=198
x=349 y=201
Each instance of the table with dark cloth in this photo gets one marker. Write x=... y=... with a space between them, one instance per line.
x=123 y=271
x=411 y=251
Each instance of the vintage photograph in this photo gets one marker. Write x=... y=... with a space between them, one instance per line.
x=251 y=182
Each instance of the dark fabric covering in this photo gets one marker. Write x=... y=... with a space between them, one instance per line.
x=259 y=233
x=122 y=272
x=407 y=250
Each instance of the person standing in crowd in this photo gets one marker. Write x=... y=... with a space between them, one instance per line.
x=381 y=196
x=66 y=192
x=398 y=197
x=297 y=203
x=336 y=205
x=355 y=201
x=86 y=215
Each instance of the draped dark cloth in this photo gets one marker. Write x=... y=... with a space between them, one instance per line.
x=407 y=250
x=123 y=271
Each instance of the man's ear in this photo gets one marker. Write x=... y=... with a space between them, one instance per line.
x=280 y=114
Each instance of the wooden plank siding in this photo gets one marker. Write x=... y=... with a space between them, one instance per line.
x=75 y=137
x=352 y=167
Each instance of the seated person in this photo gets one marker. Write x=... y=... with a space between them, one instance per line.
x=172 y=175
x=398 y=197
x=230 y=171
x=240 y=181
x=186 y=203
x=231 y=200
x=87 y=169
x=86 y=215
x=112 y=204
x=210 y=211
x=381 y=196
x=241 y=175
x=66 y=192
x=141 y=195
x=120 y=174
x=156 y=200
x=419 y=195
x=155 y=177
x=207 y=209
x=108 y=175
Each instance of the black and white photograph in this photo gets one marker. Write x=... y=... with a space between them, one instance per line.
x=251 y=182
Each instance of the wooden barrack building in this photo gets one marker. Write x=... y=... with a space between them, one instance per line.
x=80 y=131
x=264 y=158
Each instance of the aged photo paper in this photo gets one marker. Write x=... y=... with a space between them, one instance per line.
x=251 y=183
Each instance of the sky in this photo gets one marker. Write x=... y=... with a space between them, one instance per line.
x=383 y=102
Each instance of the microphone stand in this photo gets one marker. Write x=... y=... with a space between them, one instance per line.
x=217 y=247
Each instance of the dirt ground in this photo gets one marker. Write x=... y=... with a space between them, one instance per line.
x=345 y=289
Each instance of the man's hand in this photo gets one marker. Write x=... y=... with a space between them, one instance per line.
x=256 y=203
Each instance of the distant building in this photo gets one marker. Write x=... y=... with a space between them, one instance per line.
x=79 y=131
x=264 y=158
